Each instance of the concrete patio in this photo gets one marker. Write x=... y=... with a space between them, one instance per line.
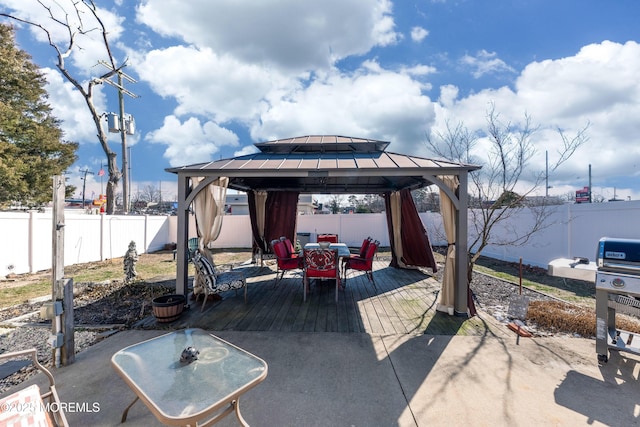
x=387 y=360
x=358 y=379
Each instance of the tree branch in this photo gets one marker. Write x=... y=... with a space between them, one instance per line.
x=570 y=145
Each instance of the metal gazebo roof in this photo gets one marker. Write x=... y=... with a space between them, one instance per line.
x=325 y=164
x=328 y=164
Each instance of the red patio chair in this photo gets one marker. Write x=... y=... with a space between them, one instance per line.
x=362 y=252
x=289 y=245
x=363 y=247
x=333 y=238
x=284 y=260
x=364 y=263
x=320 y=263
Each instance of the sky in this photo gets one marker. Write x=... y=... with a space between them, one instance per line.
x=214 y=77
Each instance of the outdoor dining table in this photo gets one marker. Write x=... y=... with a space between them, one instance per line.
x=185 y=393
x=343 y=249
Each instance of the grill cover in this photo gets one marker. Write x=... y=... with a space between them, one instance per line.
x=619 y=254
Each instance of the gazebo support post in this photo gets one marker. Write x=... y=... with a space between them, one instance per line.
x=461 y=286
x=182 y=235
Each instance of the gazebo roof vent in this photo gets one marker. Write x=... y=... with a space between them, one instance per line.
x=322 y=144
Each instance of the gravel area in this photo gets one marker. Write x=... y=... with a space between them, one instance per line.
x=98 y=307
x=29 y=337
x=493 y=296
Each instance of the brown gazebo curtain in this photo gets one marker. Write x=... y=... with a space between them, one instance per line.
x=281 y=211
x=280 y=214
x=408 y=238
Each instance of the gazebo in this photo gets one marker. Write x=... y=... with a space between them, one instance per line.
x=274 y=176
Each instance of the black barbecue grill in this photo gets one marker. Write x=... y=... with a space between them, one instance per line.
x=617 y=289
x=616 y=272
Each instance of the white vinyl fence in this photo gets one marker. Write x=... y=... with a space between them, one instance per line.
x=27 y=238
x=573 y=230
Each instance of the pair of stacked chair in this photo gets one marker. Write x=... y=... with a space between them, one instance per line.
x=363 y=260
x=286 y=257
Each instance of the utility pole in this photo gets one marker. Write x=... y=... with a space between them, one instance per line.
x=125 y=160
x=546 y=175
x=129 y=177
x=84 y=183
x=126 y=126
x=590 y=200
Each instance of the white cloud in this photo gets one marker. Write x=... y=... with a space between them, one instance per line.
x=205 y=83
x=247 y=149
x=372 y=102
x=418 y=34
x=299 y=36
x=191 y=141
x=420 y=70
x=485 y=63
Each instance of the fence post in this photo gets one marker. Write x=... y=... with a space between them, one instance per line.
x=31 y=240
x=146 y=232
x=102 y=225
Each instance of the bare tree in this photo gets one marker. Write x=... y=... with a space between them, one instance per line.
x=150 y=193
x=62 y=53
x=335 y=203
x=493 y=194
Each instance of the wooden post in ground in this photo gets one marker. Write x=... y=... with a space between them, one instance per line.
x=61 y=289
x=57 y=252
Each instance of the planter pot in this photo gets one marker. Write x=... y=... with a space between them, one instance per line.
x=168 y=308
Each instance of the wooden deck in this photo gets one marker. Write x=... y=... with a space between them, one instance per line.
x=401 y=302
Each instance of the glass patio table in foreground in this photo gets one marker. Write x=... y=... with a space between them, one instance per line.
x=197 y=393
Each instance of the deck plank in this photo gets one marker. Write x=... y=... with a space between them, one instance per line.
x=402 y=301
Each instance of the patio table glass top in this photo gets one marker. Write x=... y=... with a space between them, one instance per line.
x=178 y=391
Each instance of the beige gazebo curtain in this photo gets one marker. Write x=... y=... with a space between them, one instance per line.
x=209 y=206
x=261 y=202
x=257 y=200
x=396 y=219
x=448 y=211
